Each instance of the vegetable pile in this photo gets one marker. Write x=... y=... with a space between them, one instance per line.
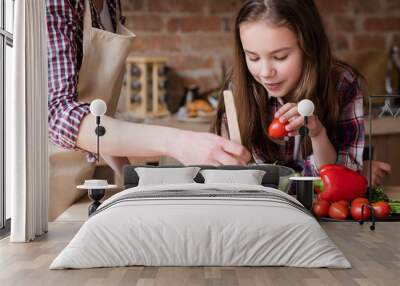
x=342 y=209
x=341 y=194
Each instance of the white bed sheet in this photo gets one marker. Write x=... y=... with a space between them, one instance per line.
x=205 y=231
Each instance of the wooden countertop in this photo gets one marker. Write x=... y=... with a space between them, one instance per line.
x=383 y=126
x=393 y=192
x=380 y=126
x=172 y=121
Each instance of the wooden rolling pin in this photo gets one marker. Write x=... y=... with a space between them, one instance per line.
x=231 y=115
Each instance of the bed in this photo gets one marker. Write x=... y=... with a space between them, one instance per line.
x=201 y=224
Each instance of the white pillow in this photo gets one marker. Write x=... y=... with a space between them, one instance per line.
x=248 y=177
x=163 y=176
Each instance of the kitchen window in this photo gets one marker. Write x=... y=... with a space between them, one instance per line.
x=6 y=62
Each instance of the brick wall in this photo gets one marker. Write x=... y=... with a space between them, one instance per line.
x=197 y=35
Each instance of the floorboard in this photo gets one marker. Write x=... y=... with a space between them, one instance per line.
x=374 y=255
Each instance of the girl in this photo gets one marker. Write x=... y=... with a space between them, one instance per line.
x=282 y=55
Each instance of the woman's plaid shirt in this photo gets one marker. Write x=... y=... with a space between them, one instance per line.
x=65 y=27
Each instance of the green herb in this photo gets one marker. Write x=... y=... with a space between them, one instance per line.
x=378 y=195
x=394 y=207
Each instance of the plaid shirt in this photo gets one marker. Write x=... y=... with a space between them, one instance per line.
x=65 y=28
x=349 y=137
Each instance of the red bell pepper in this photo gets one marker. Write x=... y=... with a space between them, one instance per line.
x=341 y=183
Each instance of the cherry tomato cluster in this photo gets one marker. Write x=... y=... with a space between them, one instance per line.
x=342 y=209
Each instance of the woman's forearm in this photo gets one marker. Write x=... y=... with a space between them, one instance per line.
x=323 y=150
x=141 y=140
x=125 y=138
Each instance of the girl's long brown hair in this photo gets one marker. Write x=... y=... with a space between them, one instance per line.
x=317 y=82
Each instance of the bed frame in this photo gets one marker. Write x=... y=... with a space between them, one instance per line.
x=270 y=179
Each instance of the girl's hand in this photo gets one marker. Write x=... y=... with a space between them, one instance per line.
x=294 y=121
x=195 y=148
x=378 y=171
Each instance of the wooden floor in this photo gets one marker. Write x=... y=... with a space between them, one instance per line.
x=375 y=256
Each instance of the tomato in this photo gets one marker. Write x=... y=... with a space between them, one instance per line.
x=319 y=197
x=381 y=209
x=338 y=211
x=360 y=201
x=356 y=211
x=344 y=203
x=277 y=129
x=321 y=208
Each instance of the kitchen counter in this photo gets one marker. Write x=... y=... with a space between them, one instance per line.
x=385 y=139
x=383 y=126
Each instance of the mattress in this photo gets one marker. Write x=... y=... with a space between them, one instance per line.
x=201 y=225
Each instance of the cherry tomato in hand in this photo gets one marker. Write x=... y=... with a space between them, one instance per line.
x=321 y=208
x=381 y=209
x=338 y=211
x=277 y=129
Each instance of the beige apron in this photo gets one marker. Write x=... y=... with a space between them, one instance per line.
x=100 y=76
x=103 y=63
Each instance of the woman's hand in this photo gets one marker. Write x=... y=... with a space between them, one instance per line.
x=141 y=140
x=195 y=148
x=289 y=114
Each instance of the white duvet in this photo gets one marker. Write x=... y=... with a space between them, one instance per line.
x=269 y=228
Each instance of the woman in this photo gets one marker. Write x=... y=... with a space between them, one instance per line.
x=88 y=45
